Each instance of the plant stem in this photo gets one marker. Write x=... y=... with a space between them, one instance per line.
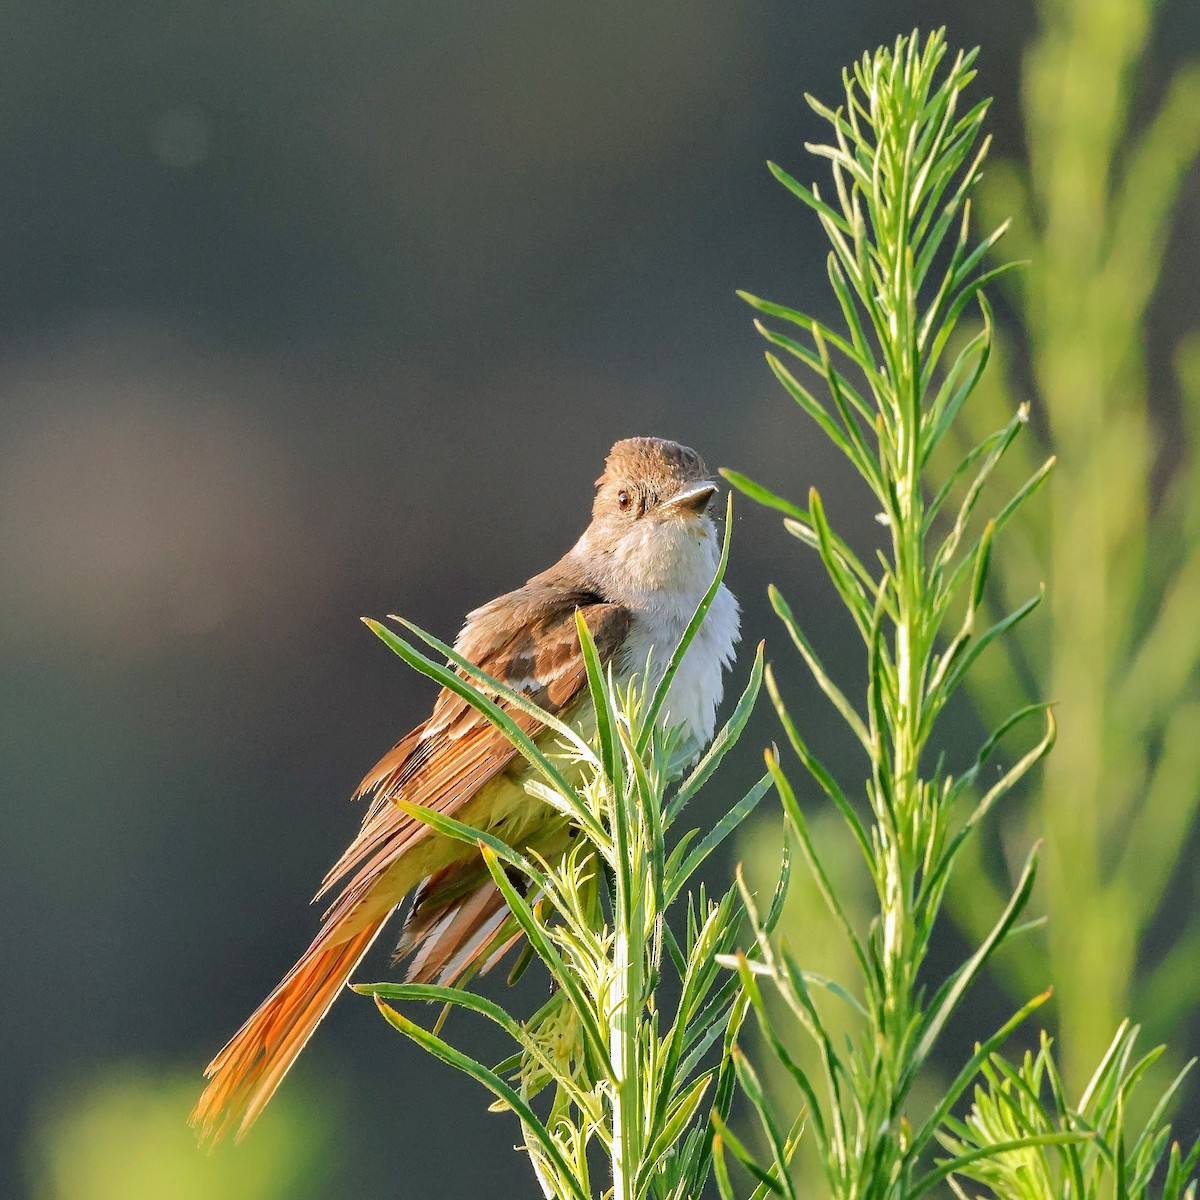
x=1121 y=549
x=904 y=163
x=624 y=1016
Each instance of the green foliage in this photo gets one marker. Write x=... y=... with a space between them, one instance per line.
x=606 y=1065
x=1020 y=1102
x=904 y=271
x=1118 y=542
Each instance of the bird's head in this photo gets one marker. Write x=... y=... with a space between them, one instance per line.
x=651 y=528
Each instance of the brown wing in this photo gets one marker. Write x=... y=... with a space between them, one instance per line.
x=528 y=641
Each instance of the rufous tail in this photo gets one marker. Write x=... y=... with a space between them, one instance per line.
x=245 y=1074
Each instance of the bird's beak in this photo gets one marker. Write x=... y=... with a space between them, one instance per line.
x=691 y=501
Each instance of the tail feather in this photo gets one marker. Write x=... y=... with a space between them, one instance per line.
x=459 y=936
x=245 y=1074
x=458 y=925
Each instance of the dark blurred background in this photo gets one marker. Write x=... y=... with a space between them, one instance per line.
x=317 y=310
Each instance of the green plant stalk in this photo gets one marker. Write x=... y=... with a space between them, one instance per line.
x=625 y=1016
x=1092 y=960
x=1115 y=1158
x=623 y=1047
x=896 y=902
x=1020 y=1144
x=1093 y=215
x=626 y=1075
x=904 y=269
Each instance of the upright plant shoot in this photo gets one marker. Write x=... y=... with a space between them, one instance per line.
x=905 y=154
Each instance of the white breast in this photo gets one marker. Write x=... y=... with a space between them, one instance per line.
x=698 y=685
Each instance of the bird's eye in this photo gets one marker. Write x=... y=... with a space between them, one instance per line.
x=624 y=499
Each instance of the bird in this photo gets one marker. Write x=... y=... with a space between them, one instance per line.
x=636 y=575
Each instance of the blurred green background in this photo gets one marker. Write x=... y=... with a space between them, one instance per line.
x=317 y=310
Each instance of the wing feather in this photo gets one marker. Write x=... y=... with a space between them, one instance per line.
x=529 y=639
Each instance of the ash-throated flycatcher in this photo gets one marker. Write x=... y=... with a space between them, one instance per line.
x=636 y=575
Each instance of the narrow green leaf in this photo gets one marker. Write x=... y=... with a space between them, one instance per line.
x=494 y=1084
x=855 y=349
x=814 y=767
x=610 y=754
x=680 y=851
x=985 y=639
x=804 y=398
x=517 y=700
x=724 y=741
x=840 y=391
x=775 y=911
x=800 y=828
x=811 y=979
x=449 y=827
x=440 y=994
x=961 y=299
x=952 y=991
x=848 y=588
x=1015 y=773
x=820 y=364
x=719 y=832
x=939 y=668
x=968 y=461
x=802 y=193
x=767 y=1028
x=726 y=1138
x=760 y=494
x=701 y=1159
x=817 y=668
x=800 y=1001
x=458 y=997
x=990 y=1151
x=1166 y=1098
x=721 y=1169
x=865 y=355
x=681 y=1114
x=960 y=382
x=649 y=801
x=563 y=975
x=753 y=1091
x=997 y=445
x=970 y=1070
